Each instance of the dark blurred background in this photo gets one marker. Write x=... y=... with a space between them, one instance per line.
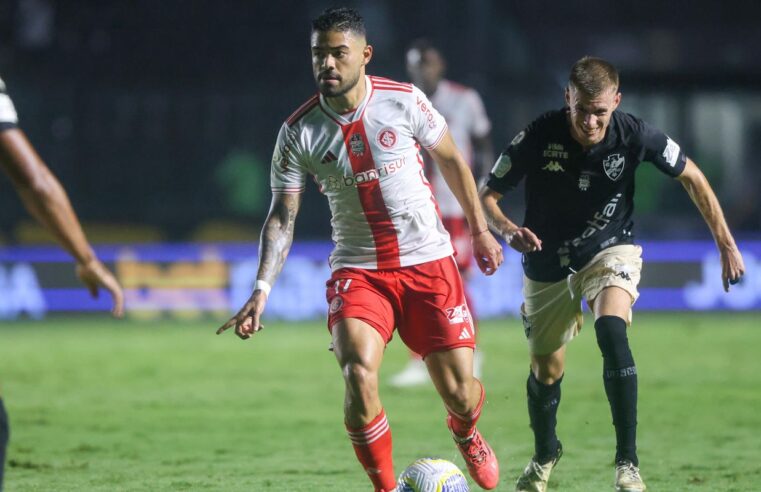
x=160 y=116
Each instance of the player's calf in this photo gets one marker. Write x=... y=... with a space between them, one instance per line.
x=372 y=445
x=620 y=379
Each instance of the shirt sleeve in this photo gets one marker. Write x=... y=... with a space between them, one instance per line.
x=288 y=173
x=480 y=124
x=662 y=151
x=8 y=115
x=512 y=163
x=428 y=126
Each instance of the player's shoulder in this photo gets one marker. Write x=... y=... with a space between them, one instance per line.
x=630 y=128
x=383 y=84
x=547 y=124
x=304 y=109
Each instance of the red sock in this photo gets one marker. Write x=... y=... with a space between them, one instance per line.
x=372 y=444
x=464 y=425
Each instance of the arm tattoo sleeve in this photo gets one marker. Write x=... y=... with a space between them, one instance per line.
x=277 y=235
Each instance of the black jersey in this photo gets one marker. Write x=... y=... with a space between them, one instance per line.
x=8 y=116
x=578 y=201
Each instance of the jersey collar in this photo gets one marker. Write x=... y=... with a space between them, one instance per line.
x=351 y=117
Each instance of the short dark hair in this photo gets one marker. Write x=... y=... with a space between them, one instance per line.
x=340 y=19
x=593 y=76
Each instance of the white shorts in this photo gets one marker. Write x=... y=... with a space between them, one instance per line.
x=551 y=311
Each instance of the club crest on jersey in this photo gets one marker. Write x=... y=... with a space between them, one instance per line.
x=357 y=145
x=614 y=166
x=387 y=138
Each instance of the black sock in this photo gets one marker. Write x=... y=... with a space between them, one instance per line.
x=543 y=401
x=4 y=433
x=620 y=378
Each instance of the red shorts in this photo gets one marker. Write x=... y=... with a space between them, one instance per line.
x=425 y=302
x=460 y=234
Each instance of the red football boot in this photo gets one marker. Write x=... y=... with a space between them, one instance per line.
x=479 y=457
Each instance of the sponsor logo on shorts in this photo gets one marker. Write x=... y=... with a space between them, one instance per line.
x=526 y=325
x=465 y=334
x=336 y=304
x=458 y=314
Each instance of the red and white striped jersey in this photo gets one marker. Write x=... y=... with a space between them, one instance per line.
x=368 y=164
x=465 y=114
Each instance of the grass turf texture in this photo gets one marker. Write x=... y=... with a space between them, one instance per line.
x=104 y=405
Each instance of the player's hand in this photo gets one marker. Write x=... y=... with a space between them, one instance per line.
x=732 y=266
x=247 y=320
x=523 y=240
x=94 y=275
x=488 y=252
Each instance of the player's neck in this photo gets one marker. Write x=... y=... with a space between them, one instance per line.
x=348 y=102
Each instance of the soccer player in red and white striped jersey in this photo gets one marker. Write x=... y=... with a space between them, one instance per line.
x=392 y=266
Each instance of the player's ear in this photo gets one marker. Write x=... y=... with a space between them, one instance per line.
x=568 y=96
x=616 y=100
x=367 y=54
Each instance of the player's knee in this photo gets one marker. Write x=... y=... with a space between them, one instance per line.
x=359 y=378
x=457 y=397
x=613 y=342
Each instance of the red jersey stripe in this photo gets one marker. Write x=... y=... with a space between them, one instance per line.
x=371 y=196
x=302 y=110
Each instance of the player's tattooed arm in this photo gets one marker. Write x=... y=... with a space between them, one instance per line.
x=277 y=235
x=701 y=193
x=276 y=239
x=521 y=239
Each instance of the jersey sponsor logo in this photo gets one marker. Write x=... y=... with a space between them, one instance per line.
x=614 y=166
x=502 y=166
x=555 y=151
x=329 y=157
x=671 y=152
x=553 y=167
x=518 y=138
x=336 y=183
x=584 y=181
x=458 y=314
x=282 y=157
x=599 y=221
x=464 y=334
x=426 y=110
x=357 y=145
x=387 y=138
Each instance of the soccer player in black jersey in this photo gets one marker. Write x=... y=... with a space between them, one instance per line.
x=46 y=200
x=579 y=165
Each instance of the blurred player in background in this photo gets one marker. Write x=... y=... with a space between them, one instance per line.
x=46 y=200
x=579 y=163
x=392 y=266
x=470 y=127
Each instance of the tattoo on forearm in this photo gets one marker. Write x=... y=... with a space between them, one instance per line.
x=277 y=236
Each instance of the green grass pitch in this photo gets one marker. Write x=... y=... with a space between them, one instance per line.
x=102 y=405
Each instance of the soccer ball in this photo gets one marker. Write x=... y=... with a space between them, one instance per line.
x=432 y=475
